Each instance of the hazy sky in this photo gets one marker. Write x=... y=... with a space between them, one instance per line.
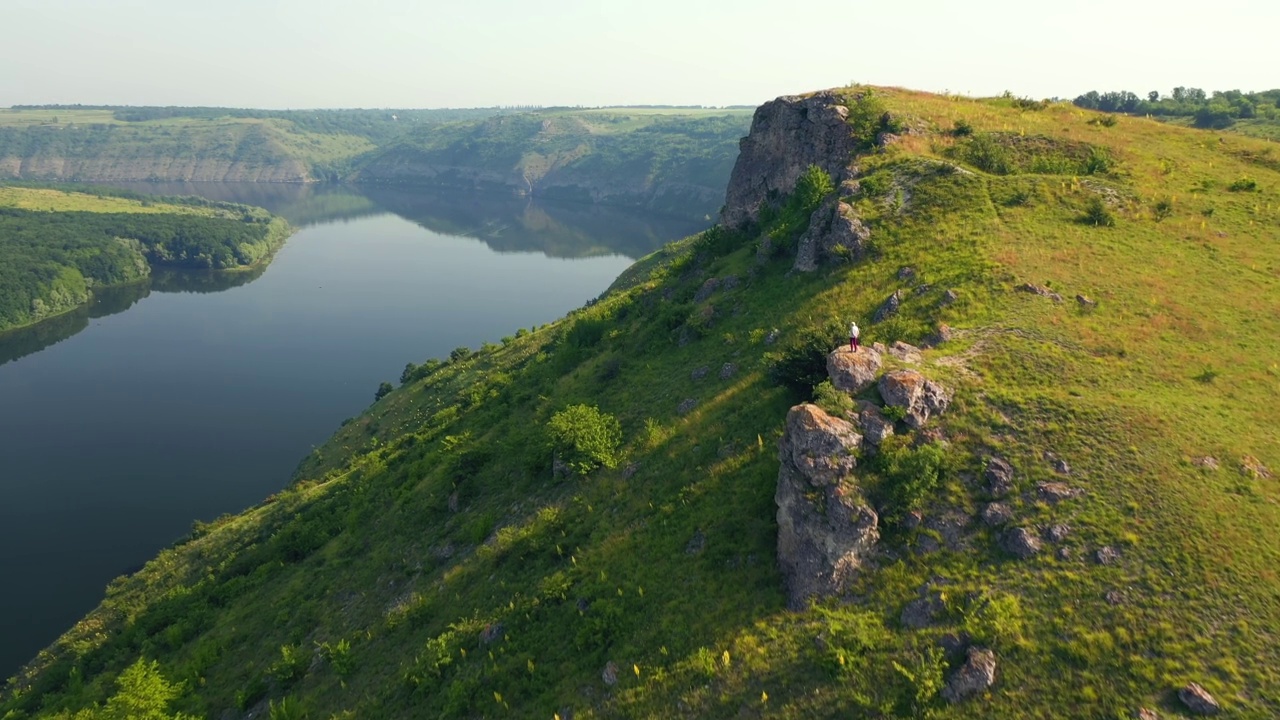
x=464 y=53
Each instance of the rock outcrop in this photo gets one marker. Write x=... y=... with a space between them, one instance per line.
x=1198 y=700
x=787 y=136
x=835 y=235
x=920 y=397
x=973 y=678
x=853 y=372
x=824 y=529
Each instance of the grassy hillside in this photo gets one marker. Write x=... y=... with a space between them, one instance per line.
x=429 y=560
x=57 y=247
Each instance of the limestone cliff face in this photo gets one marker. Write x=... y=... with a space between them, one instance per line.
x=150 y=169
x=787 y=136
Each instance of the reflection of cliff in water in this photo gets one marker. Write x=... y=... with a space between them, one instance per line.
x=19 y=343
x=516 y=224
x=302 y=204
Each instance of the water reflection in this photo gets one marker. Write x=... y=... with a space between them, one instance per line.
x=507 y=224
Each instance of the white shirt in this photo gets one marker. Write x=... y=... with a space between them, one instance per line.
x=853 y=330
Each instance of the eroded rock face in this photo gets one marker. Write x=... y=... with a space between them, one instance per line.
x=920 y=397
x=836 y=234
x=787 y=136
x=824 y=529
x=973 y=678
x=853 y=372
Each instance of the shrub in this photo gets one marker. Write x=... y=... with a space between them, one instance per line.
x=995 y=621
x=1097 y=214
x=834 y=402
x=1162 y=209
x=802 y=364
x=814 y=185
x=1104 y=120
x=985 y=153
x=911 y=475
x=962 y=129
x=287 y=709
x=339 y=657
x=585 y=438
x=1098 y=163
x=292 y=664
x=459 y=353
x=384 y=389
x=1244 y=184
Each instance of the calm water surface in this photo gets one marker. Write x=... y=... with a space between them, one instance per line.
x=197 y=395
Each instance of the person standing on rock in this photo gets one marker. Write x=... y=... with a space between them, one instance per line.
x=854 y=336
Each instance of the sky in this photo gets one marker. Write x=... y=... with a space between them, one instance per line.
x=482 y=53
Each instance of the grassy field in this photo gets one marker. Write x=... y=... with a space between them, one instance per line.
x=427 y=562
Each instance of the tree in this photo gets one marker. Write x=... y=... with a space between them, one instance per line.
x=584 y=438
x=1153 y=96
x=383 y=390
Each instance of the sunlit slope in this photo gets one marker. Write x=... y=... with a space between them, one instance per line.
x=428 y=561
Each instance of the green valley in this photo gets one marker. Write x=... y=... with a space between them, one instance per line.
x=57 y=247
x=1052 y=465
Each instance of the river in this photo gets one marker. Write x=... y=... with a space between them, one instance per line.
x=196 y=394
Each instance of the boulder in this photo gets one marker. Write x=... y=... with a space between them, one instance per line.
x=1107 y=555
x=1057 y=533
x=905 y=352
x=1086 y=303
x=686 y=406
x=888 y=308
x=941 y=334
x=1056 y=492
x=996 y=514
x=1040 y=290
x=492 y=633
x=999 y=476
x=610 y=673
x=949 y=297
x=772 y=336
x=727 y=371
x=707 y=290
x=1198 y=700
x=699 y=373
x=1146 y=714
x=836 y=234
x=1208 y=462
x=824 y=529
x=906 y=272
x=875 y=427
x=920 y=397
x=1021 y=543
x=973 y=678
x=853 y=372
x=1251 y=466
x=787 y=136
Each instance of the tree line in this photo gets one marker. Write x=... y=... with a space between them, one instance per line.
x=1217 y=110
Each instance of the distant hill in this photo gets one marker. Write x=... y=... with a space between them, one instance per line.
x=1045 y=486
x=668 y=159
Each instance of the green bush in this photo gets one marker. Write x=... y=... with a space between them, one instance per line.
x=835 y=402
x=911 y=475
x=585 y=438
x=292 y=664
x=287 y=709
x=1097 y=214
x=384 y=389
x=1244 y=184
x=962 y=129
x=814 y=185
x=995 y=620
x=802 y=363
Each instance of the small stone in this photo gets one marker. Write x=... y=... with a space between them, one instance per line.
x=708 y=287
x=1059 y=465
x=1207 y=462
x=921 y=289
x=610 y=674
x=583 y=605
x=888 y=308
x=1021 y=543
x=1250 y=465
x=941 y=334
x=700 y=373
x=953 y=643
x=727 y=370
x=913 y=520
x=949 y=297
x=1064 y=553
x=996 y=514
x=1146 y=714
x=1086 y=303
x=453 y=502
x=1114 y=597
x=1107 y=555
x=973 y=678
x=729 y=282
x=999 y=475
x=921 y=612
x=1057 y=533
x=772 y=337
x=1198 y=700
x=905 y=352
x=696 y=543
x=686 y=406
x=630 y=470
x=492 y=633
x=906 y=273
x=1056 y=492
x=1040 y=290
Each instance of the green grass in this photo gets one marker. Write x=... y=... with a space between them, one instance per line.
x=433 y=518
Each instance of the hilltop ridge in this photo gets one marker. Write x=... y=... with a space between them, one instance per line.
x=1050 y=494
